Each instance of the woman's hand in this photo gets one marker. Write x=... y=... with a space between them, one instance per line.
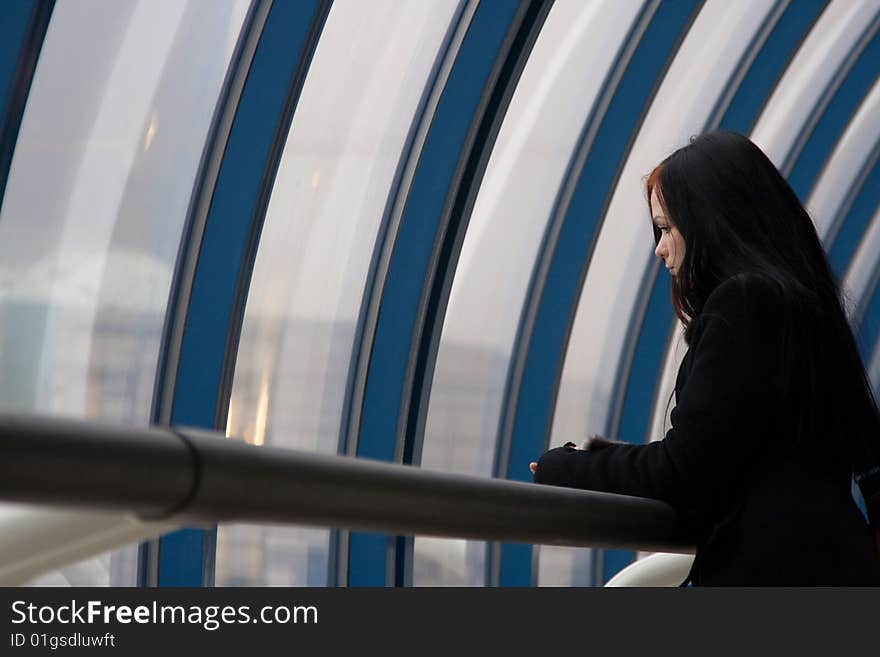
x=533 y=466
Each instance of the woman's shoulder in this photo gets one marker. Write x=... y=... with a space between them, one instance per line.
x=747 y=307
x=747 y=296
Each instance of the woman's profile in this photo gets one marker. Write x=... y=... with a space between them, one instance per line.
x=774 y=414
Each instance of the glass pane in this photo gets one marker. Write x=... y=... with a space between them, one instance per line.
x=555 y=94
x=808 y=75
x=707 y=60
x=97 y=195
x=849 y=157
x=863 y=268
x=358 y=103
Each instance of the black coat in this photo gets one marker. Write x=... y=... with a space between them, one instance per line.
x=765 y=503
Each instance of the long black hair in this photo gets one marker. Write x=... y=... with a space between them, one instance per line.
x=738 y=215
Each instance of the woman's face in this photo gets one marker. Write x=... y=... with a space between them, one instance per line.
x=670 y=248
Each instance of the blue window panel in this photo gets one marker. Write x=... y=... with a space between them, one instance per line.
x=228 y=248
x=370 y=557
x=768 y=66
x=22 y=29
x=835 y=118
x=853 y=227
x=518 y=566
x=386 y=384
x=186 y=557
x=644 y=372
x=13 y=32
x=647 y=362
x=571 y=256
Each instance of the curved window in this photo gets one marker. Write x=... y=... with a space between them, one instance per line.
x=349 y=130
x=850 y=155
x=557 y=90
x=815 y=66
x=107 y=153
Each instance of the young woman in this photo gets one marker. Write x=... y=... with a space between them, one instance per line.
x=774 y=413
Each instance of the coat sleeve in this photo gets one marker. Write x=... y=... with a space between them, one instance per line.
x=719 y=422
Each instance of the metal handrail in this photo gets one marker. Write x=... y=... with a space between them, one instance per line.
x=202 y=477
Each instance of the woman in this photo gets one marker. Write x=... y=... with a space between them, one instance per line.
x=773 y=410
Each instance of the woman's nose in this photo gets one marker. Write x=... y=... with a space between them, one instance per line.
x=659 y=250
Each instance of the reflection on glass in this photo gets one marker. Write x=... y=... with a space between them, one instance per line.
x=366 y=79
x=552 y=101
x=103 y=170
